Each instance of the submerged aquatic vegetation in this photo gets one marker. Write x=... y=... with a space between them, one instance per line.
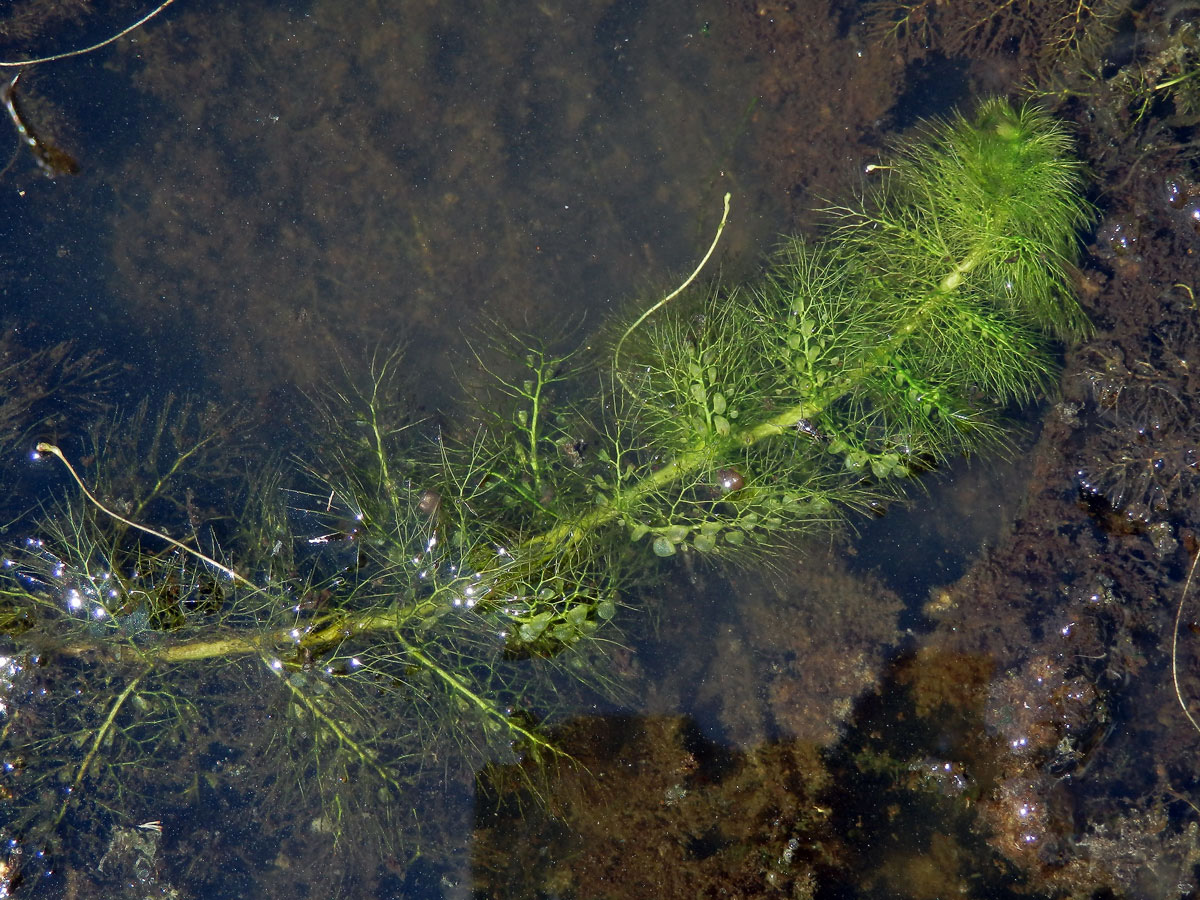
x=408 y=609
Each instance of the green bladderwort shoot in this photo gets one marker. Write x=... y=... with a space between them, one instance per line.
x=418 y=600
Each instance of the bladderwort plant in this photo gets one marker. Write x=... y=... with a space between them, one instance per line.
x=411 y=606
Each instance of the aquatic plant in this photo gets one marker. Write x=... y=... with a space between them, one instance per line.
x=409 y=608
x=1040 y=33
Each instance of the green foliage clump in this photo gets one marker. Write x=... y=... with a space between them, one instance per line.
x=413 y=602
x=876 y=353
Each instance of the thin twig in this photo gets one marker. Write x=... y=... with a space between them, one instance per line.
x=1175 y=644
x=51 y=449
x=22 y=63
x=667 y=299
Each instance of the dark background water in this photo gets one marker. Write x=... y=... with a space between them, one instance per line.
x=269 y=193
x=267 y=189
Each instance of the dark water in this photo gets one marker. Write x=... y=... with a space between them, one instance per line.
x=271 y=198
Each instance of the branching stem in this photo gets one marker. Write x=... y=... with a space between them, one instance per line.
x=487 y=707
x=566 y=536
x=101 y=733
